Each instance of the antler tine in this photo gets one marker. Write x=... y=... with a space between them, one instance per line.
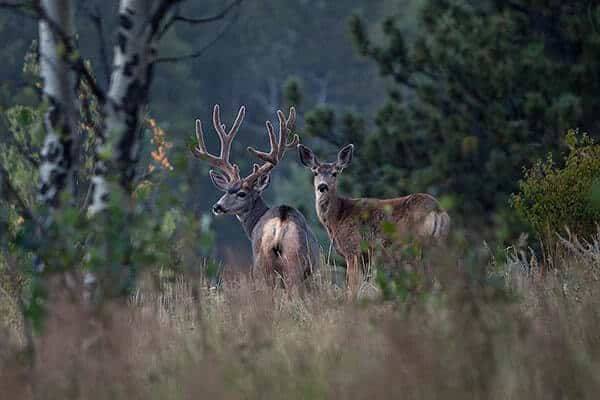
x=285 y=125
x=200 y=137
x=290 y=123
x=217 y=124
x=238 y=122
x=271 y=156
x=222 y=162
x=278 y=145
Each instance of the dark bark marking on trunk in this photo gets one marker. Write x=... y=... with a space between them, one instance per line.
x=125 y=22
x=128 y=69
x=121 y=41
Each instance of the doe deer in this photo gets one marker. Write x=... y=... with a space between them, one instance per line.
x=351 y=222
x=282 y=242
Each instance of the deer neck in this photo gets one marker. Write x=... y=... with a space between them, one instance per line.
x=250 y=218
x=328 y=210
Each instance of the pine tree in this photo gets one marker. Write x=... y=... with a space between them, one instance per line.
x=485 y=89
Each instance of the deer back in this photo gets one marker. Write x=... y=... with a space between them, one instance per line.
x=353 y=222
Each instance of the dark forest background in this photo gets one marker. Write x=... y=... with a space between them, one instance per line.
x=114 y=274
x=453 y=98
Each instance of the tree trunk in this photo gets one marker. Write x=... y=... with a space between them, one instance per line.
x=127 y=96
x=59 y=91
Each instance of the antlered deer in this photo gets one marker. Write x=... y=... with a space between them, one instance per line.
x=352 y=222
x=282 y=242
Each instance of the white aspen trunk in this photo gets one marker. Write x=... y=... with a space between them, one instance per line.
x=134 y=55
x=128 y=93
x=59 y=91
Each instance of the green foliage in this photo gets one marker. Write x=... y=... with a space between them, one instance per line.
x=140 y=233
x=554 y=197
x=293 y=91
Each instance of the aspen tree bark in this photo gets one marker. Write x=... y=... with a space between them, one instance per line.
x=60 y=120
x=118 y=146
x=134 y=55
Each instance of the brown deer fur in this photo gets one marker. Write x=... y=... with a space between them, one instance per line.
x=282 y=243
x=351 y=223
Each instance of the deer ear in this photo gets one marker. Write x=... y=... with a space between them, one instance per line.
x=219 y=180
x=307 y=157
x=345 y=156
x=262 y=183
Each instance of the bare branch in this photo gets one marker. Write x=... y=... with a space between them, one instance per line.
x=162 y=10
x=201 y=51
x=19 y=8
x=204 y=20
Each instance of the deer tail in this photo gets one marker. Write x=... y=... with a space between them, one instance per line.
x=443 y=226
x=437 y=224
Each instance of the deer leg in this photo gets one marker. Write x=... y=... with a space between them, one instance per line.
x=352 y=274
x=293 y=274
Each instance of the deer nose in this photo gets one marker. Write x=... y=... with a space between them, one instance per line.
x=218 y=209
x=322 y=187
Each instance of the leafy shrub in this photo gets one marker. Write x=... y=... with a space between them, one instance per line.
x=553 y=197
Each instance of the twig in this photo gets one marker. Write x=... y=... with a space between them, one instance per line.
x=18 y=8
x=161 y=11
x=194 y=21
x=201 y=51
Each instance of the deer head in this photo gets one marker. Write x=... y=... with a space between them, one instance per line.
x=325 y=174
x=242 y=193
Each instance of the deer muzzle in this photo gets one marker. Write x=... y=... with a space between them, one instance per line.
x=322 y=187
x=218 y=209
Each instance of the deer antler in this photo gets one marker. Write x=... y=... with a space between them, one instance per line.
x=278 y=145
x=222 y=161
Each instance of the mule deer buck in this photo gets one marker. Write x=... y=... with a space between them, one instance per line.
x=282 y=242
x=352 y=222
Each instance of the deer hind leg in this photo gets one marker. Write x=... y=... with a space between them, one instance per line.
x=353 y=274
x=293 y=272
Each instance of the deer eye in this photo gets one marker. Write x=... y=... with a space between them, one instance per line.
x=241 y=194
x=315 y=173
x=334 y=174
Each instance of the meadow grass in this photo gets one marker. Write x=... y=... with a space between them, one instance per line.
x=483 y=330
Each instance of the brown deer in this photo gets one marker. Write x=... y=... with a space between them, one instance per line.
x=282 y=243
x=352 y=222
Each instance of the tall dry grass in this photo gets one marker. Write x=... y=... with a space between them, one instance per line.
x=485 y=330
